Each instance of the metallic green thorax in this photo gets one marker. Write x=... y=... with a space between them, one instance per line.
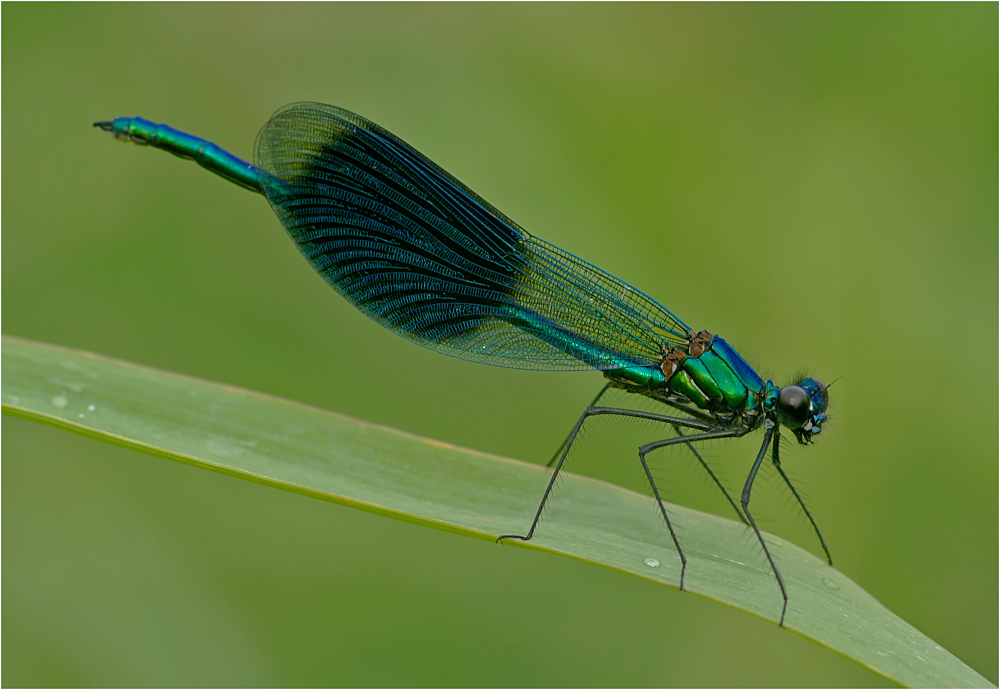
x=711 y=375
x=718 y=380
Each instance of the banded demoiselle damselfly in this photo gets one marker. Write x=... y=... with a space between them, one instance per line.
x=429 y=259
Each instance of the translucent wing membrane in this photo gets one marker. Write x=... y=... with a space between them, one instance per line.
x=425 y=256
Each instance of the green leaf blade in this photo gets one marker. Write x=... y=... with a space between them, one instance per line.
x=320 y=454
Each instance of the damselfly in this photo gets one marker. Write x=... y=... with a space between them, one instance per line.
x=428 y=258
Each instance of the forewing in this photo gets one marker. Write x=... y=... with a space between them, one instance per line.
x=425 y=256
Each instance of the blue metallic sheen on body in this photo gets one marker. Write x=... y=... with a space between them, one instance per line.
x=141 y=131
x=739 y=366
x=420 y=253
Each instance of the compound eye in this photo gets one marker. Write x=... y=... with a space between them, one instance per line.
x=821 y=387
x=794 y=407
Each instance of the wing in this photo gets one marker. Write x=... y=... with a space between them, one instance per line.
x=426 y=257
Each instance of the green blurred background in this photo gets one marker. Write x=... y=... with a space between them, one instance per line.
x=816 y=183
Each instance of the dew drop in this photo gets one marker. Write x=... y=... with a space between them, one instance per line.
x=652 y=562
x=60 y=401
x=830 y=584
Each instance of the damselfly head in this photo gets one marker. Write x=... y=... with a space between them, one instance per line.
x=802 y=408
